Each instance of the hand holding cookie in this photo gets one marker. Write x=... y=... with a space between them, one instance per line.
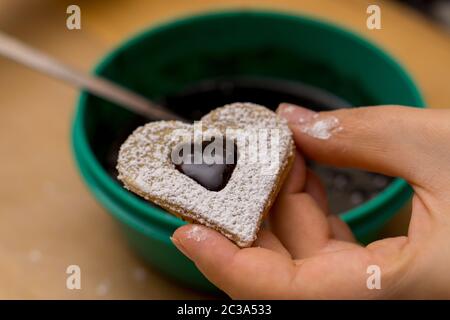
x=306 y=253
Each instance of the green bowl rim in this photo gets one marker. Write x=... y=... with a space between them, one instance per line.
x=80 y=142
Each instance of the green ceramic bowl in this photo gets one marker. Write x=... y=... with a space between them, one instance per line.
x=164 y=59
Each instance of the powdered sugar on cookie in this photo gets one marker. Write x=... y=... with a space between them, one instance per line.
x=237 y=210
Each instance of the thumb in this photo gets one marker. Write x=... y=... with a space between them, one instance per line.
x=392 y=140
x=241 y=273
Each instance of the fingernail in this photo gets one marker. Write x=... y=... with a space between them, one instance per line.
x=190 y=233
x=177 y=243
x=295 y=114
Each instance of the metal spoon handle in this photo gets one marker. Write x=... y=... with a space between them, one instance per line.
x=37 y=60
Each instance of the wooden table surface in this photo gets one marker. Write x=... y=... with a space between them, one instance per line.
x=48 y=219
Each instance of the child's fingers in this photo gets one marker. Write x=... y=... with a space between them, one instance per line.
x=242 y=273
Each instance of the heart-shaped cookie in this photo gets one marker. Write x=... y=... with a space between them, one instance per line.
x=232 y=198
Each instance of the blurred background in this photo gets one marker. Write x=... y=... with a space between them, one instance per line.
x=48 y=220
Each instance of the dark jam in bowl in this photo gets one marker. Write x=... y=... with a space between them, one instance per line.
x=346 y=188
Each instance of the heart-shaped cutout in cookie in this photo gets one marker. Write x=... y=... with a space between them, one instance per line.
x=213 y=175
x=231 y=197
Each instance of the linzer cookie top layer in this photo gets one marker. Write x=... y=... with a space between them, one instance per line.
x=265 y=150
